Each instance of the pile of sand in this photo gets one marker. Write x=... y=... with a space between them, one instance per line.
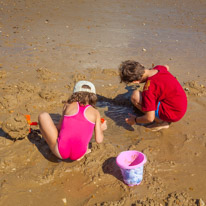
x=16 y=126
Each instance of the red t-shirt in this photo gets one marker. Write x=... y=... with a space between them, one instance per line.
x=163 y=87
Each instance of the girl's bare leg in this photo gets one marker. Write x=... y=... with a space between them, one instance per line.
x=49 y=132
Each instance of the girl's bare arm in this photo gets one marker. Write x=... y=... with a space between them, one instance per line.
x=99 y=128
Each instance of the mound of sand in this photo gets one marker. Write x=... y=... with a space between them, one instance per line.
x=16 y=126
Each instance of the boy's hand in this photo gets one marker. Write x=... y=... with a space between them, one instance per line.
x=131 y=119
x=104 y=125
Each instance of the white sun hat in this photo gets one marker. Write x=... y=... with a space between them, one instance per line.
x=79 y=87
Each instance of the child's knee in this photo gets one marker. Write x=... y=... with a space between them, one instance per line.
x=43 y=116
x=136 y=97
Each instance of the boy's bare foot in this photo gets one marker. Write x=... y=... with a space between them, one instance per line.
x=158 y=126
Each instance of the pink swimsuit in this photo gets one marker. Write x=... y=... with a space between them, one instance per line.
x=75 y=134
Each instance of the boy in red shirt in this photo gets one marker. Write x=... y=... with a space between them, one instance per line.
x=163 y=99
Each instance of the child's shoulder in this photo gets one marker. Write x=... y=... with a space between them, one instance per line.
x=93 y=110
x=68 y=106
x=161 y=68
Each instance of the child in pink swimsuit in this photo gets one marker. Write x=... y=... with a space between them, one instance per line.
x=70 y=138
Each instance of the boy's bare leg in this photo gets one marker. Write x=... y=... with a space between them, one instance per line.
x=49 y=132
x=136 y=99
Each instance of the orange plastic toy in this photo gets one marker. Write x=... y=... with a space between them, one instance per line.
x=102 y=120
x=28 y=118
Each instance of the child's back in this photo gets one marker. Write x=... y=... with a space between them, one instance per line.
x=76 y=130
x=90 y=112
x=163 y=87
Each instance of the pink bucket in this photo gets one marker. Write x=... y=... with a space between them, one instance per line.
x=131 y=164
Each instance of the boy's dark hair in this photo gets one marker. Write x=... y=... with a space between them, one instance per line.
x=130 y=71
x=83 y=97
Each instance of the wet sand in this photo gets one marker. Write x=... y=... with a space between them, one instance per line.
x=45 y=47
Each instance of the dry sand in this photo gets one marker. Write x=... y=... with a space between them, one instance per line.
x=46 y=46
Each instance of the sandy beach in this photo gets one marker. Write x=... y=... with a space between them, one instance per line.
x=46 y=46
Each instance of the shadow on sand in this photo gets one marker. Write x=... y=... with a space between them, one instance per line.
x=110 y=167
x=119 y=107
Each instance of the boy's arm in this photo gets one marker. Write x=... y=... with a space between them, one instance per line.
x=99 y=128
x=148 y=117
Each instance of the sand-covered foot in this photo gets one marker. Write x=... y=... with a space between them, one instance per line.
x=87 y=152
x=158 y=126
